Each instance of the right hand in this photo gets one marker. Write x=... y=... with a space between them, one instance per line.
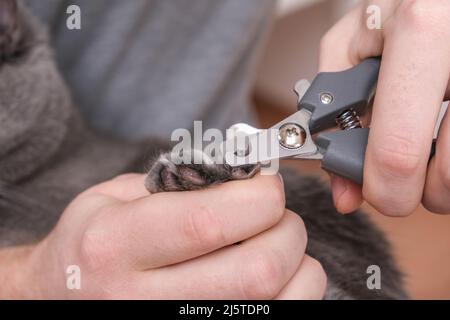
x=129 y=244
x=413 y=40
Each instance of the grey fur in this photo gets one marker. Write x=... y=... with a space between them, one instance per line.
x=48 y=155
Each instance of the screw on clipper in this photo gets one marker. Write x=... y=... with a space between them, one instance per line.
x=292 y=136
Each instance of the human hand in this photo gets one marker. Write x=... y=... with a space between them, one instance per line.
x=129 y=244
x=414 y=42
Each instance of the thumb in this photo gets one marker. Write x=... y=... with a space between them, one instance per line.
x=342 y=47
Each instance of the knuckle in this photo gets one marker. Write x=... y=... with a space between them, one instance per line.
x=422 y=16
x=203 y=226
x=96 y=251
x=397 y=156
x=325 y=42
x=263 y=276
x=125 y=176
x=98 y=188
x=328 y=40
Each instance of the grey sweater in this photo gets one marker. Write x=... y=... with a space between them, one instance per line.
x=143 y=68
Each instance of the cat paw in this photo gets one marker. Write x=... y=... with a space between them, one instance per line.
x=168 y=173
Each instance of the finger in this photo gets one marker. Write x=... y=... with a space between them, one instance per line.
x=308 y=283
x=409 y=95
x=355 y=44
x=127 y=187
x=437 y=189
x=256 y=269
x=347 y=196
x=168 y=228
x=349 y=41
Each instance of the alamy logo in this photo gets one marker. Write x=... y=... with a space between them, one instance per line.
x=238 y=149
x=73 y=280
x=73 y=21
x=374 y=280
x=374 y=19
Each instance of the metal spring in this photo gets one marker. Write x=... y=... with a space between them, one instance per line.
x=349 y=120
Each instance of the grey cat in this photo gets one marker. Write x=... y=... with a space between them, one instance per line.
x=48 y=155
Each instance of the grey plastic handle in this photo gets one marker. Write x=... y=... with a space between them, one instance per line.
x=350 y=89
x=344 y=153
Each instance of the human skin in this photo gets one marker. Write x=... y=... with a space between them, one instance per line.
x=132 y=245
x=414 y=42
